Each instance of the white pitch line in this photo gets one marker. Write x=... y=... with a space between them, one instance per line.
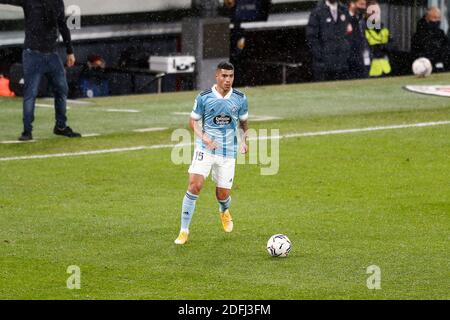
x=47 y=106
x=88 y=135
x=288 y=136
x=95 y=152
x=123 y=110
x=79 y=102
x=71 y=101
x=368 y=129
x=150 y=129
x=263 y=118
x=16 y=142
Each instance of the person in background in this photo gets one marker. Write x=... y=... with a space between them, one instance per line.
x=44 y=19
x=5 y=90
x=327 y=36
x=359 y=61
x=378 y=38
x=93 y=79
x=430 y=41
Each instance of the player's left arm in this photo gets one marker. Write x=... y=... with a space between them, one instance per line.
x=243 y=125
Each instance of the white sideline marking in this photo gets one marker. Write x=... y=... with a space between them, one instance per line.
x=263 y=118
x=72 y=101
x=48 y=106
x=95 y=152
x=181 y=113
x=368 y=129
x=287 y=136
x=79 y=102
x=150 y=129
x=16 y=142
x=123 y=110
x=87 y=135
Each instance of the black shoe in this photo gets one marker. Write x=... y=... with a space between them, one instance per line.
x=26 y=136
x=67 y=132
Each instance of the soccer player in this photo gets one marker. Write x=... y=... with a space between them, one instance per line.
x=221 y=110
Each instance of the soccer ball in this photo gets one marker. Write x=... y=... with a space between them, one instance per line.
x=422 y=67
x=279 y=245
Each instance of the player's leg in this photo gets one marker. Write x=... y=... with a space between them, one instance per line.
x=224 y=198
x=57 y=78
x=196 y=182
x=223 y=175
x=32 y=73
x=198 y=172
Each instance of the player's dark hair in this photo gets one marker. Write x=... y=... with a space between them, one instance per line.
x=225 y=65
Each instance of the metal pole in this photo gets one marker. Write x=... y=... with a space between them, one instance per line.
x=160 y=78
x=159 y=85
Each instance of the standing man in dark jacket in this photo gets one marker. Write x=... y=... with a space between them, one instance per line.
x=43 y=20
x=430 y=41
x=359 y=62
x=327 y=35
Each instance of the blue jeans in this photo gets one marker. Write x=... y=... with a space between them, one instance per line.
x=36 y=65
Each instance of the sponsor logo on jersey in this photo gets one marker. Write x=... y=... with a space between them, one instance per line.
x=222 y=119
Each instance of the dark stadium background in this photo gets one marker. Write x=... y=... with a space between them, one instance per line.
x=264 y=45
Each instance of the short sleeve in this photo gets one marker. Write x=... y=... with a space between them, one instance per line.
x=243 y=111
x=198 y=110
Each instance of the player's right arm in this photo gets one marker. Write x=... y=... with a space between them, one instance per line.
x=18 y=3
x=196 y=115
x=210 y=144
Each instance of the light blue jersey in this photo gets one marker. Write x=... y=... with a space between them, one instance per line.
x=220 y=117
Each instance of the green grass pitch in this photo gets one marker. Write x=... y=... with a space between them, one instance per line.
x=346 y=201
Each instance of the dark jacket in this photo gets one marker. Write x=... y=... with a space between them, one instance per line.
x=358 y=41
x=328 y=39
x=430 y=42
x=43 y=20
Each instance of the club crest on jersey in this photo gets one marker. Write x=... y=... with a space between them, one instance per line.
x=222 y=119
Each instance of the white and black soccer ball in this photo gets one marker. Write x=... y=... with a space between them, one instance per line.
x=422 y=67
x=279 y=245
